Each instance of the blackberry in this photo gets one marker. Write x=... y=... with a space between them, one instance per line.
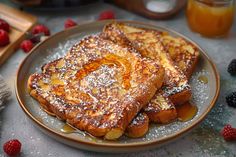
x=232 y=67
x=231 y=99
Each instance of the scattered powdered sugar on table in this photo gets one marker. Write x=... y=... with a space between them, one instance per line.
x=29 y=140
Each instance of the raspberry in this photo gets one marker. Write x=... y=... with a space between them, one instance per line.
x=232 y=67
x=4 y=38
x=108 y=14
x=229 y=133
x=4 y=25
x=69 y=23
x=26 y=45
x=231 y=99
x=41 y=29
x=12 y=147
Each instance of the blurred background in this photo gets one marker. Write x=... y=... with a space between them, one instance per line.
x=211 y=18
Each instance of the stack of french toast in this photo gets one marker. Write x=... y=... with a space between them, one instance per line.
x=118 y=81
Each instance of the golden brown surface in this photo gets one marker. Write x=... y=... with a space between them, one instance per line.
x=139 y=126
x=149 y=44
x=107 y=110
x=160 y=45
x=96 y=87
x=160 y=109
x=184 y=54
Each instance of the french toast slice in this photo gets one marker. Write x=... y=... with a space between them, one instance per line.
x=98 y=87
x=149 y=44
x=184 y=54
x=139 y=126
x=160 y=109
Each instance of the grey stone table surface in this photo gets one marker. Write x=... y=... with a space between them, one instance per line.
x=204 y=141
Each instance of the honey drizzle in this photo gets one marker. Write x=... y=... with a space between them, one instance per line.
x=203 y=79
x=111 y=60
x=186 y=111
x=67 y=129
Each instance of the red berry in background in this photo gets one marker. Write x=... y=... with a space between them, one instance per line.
x=4 y=25
x=26 y=45
x=108 y=14
x=69 y=23
x=41 y=29
x=4 y=38
x=229 y=133
x=12 y=147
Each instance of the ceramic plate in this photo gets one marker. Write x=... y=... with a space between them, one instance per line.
x=204 y=94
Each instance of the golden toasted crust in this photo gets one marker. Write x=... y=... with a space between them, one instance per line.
x=95 y=87
x=183 y=53
x=139 y=126
x=160 y=109
x=149 y=44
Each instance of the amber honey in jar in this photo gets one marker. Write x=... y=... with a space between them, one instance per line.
x=211 y=18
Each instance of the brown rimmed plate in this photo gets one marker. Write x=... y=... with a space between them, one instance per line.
x=204 y=94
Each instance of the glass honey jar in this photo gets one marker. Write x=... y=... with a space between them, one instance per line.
x=211 y=18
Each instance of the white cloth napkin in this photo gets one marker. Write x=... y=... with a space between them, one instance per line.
x=5 y=92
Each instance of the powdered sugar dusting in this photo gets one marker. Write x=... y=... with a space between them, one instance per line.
x=99 y=87
x=139 y=119
x=200 y=93
x=200 y=89
x=58 y=52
